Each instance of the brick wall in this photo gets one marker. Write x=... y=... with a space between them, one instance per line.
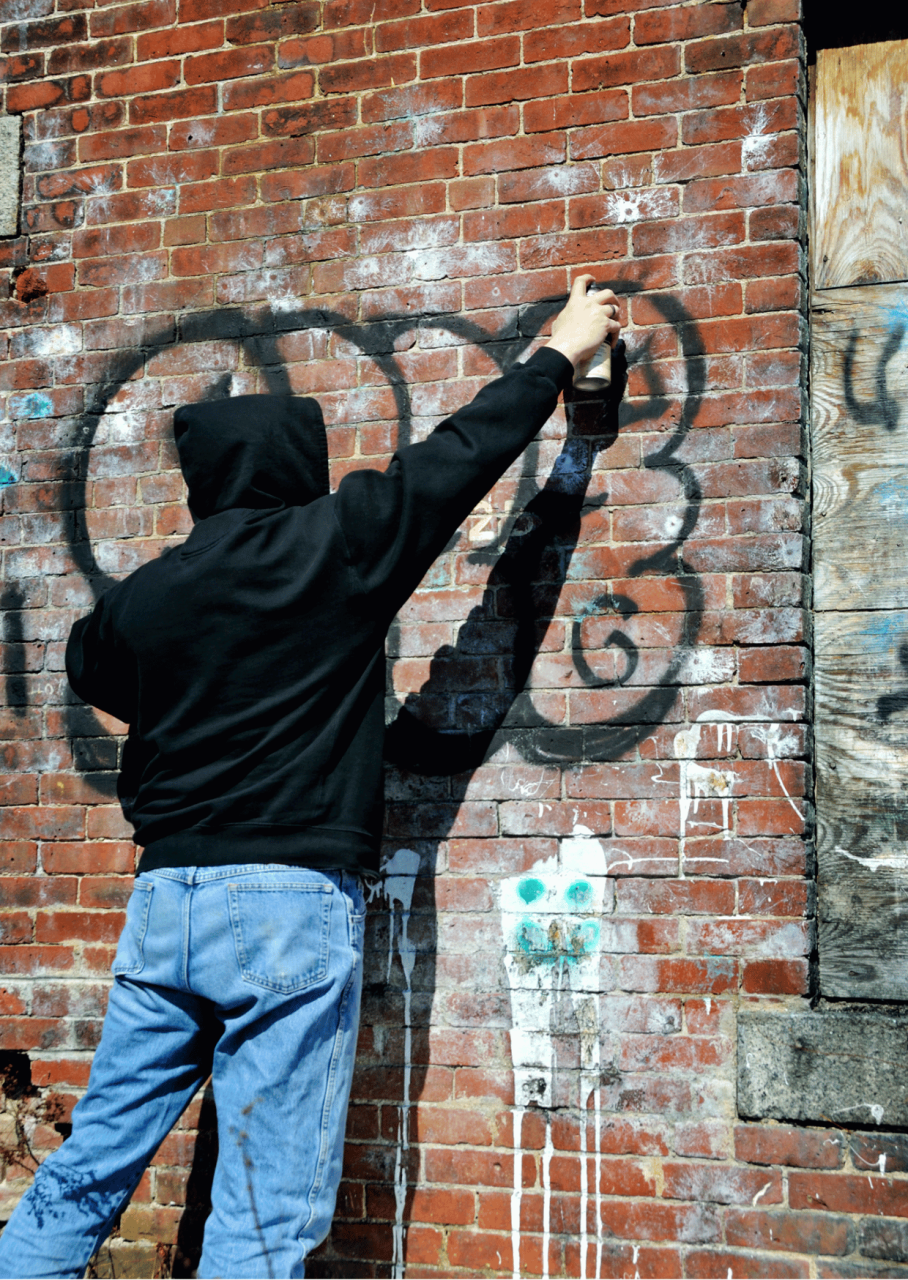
x=380 y=203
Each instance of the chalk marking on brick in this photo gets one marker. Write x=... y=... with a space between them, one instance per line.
x=550 y=920
x=400 y=872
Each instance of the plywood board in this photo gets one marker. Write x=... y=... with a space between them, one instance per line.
x=862 y=803
x=859 y=417
x=861 y=192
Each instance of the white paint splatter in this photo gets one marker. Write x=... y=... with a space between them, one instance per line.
x=400 y=872
x=551 y=922
x=59 y=340
x=761 y=1193
x=755 y=146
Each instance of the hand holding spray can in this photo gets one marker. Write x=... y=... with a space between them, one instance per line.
x=598 y=375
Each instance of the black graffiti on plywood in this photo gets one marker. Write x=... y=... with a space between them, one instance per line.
x=883 y=409
x=529 y=559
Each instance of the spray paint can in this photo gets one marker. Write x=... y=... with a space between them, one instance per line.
x=598 y=375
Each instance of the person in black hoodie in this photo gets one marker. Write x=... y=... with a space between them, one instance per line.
x=249 y=665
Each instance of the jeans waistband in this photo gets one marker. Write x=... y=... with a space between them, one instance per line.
x=204 y=875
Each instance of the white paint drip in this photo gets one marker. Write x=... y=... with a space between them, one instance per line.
x=761 y=1193
x=697 y=782
x=771 y=737
x=551 y=922
x=876 y=1111
x=400 y=878
x=898 y=861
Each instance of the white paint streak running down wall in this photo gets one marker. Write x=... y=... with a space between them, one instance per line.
x=400 y=878
x=551 y=922
x=699 y=782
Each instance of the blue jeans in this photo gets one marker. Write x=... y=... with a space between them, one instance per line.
x=272 y=956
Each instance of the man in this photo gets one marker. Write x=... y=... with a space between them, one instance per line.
x=249 y=665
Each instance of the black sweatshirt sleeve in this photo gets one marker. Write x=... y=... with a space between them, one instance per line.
x=100 y=669
x=396 y=522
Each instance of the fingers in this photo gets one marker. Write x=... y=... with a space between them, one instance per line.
x=581 y=285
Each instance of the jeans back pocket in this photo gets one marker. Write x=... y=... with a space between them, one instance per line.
x=281 y=933
x=130 y=957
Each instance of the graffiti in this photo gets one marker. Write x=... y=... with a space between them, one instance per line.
x=889 y=704
x=541 y=519
x=884 y=409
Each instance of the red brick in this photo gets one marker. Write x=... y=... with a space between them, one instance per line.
x=318 y=50
x=843 y=1193
x=64 y=926
x=686 y=95
x=657 y=973
x=632 y=67
x=569 y=112
x=182 y=104
x=623 y=138
x=140 y=16
x=513 y=153
x=271 y=23
x=467 y=56
x=367 y=73
x=424 y=33
x=571 y=41
x=775 y=80
x=786 y=1145
x=295 y=86
x=47 y=93
x=773 y=187
x=33 y=35
x=515 y=85
x=721 y=52
x=142 y=79
x=88 y=57
x=122 y=142
x=663 y=26
x=176 y=40
x=812 y=1233
x=756 y=124
x=228 y=64
x=717 y=1264
x=27 y=961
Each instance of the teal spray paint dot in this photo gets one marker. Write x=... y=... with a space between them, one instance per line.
x=580 y=894
x=530 y=890
x=6 y=477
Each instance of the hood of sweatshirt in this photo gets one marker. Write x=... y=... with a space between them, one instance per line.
x=252 y=451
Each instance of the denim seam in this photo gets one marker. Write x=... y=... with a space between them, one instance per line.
x=141 y=930
x=329 y=1100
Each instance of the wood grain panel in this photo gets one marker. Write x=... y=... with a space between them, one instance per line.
x=862 y=803
x=861 y=190
x=859 y=414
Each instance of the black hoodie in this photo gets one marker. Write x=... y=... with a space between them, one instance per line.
x=249 y=662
